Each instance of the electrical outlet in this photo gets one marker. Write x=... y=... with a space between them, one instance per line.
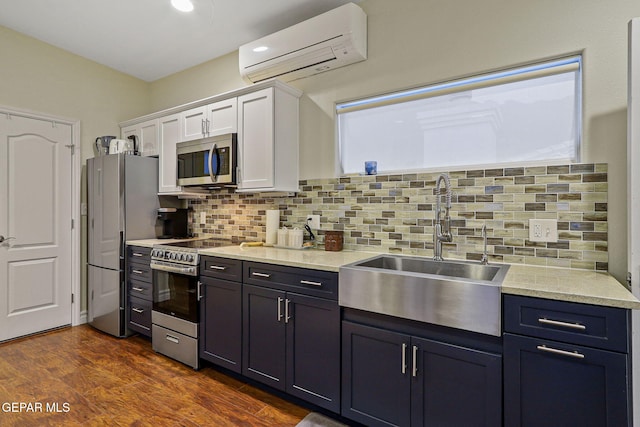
x=313 y=221
x=203 y=217
x=543 y=230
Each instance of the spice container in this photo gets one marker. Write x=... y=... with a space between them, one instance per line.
x=333 y=240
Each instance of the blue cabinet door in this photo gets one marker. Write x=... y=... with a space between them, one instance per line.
x=375 y=376
x=548 y=383
x=454 y=386
x=313 y=350
x=221 y=323
x=264 y=335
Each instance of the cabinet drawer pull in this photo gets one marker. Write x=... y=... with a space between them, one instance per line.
x=414 y=371
x=261 y=275
x=217 y=267
x=404 y=359
x=173 y=339
x=577 y=326
x=279 y=309
x=137 y=310
x=137 y=289
x=561 y=352
x=309 y=282
x=137 y=254
x=137 y=271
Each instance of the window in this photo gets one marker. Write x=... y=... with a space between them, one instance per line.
x=530 y=114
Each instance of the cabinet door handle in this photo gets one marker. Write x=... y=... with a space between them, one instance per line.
x=208 y=127
x=202 y=126
x=137 y=271
x=217 y=267
x=577 y=326
x=414 y=370
x=199 y=291
x=261 y=275
x=309 y=282
x=173 y=339
x=287 y=317
x=137 y=289
x=404 y=359
x=279 y=309
x=137 y=254
x=560 y=352
x=137 y=310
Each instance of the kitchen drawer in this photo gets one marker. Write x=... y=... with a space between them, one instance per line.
x=139 y=289
x=140 y=315
x=139 y=254
x=569 y=322
x=221 y=268
x=140 y=272
x=323 y=284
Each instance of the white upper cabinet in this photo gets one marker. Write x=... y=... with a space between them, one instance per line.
x=168 y=161
x=147 y=135
x=265 y=117
x=210 y=120
x=223 y=117
x=268 y=141
x=193 y=124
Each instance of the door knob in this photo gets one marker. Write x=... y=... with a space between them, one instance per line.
x=3 y=239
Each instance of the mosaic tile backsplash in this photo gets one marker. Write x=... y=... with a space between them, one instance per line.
x=395 y=213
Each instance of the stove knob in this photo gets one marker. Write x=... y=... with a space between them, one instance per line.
x=190 y=258
x=180 y=257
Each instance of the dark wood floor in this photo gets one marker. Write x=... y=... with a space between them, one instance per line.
x=104 y=381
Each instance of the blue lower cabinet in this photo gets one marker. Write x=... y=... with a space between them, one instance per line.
x=221 y=323
x=292 y=343
x=395 y=379
x=548 y=383
x=565 y=364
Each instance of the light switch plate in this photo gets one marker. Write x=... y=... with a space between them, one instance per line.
x=543 y=230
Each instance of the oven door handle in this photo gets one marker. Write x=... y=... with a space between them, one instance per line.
x=213 y=151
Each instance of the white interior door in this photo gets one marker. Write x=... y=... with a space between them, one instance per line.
x=35 y=220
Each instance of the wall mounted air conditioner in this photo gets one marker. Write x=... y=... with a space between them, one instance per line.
x=333 y=39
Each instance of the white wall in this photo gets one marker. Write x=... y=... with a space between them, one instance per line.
x=41 y=78
x=416 y=42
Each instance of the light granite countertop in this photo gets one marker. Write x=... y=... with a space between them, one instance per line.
x=583 y=286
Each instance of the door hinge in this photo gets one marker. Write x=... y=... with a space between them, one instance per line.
x=72 y=299
x=72 y=223
x=629 y=279
x=73 y=148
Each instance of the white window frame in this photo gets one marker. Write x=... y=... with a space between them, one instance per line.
x=547 y=68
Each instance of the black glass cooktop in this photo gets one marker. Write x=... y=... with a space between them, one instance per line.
x=204 y=243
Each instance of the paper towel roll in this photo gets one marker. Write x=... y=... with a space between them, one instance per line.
x=273 y=223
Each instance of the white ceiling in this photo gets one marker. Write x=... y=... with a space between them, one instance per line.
x=149 y=39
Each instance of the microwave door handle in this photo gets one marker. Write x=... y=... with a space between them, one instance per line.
x=214 y=177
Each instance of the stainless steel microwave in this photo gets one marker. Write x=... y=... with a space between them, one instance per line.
x=208 y=162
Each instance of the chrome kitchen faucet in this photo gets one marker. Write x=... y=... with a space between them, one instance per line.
x=440 y=233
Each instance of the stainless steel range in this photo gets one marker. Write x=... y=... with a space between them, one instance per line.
x=176 y=296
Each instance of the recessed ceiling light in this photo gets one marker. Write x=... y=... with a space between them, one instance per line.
x=260 y=49
x=182 y=5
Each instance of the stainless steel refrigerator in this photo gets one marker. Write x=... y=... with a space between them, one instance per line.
x=122 y=205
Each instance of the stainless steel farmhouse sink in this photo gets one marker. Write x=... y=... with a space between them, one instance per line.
x=459 y=294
